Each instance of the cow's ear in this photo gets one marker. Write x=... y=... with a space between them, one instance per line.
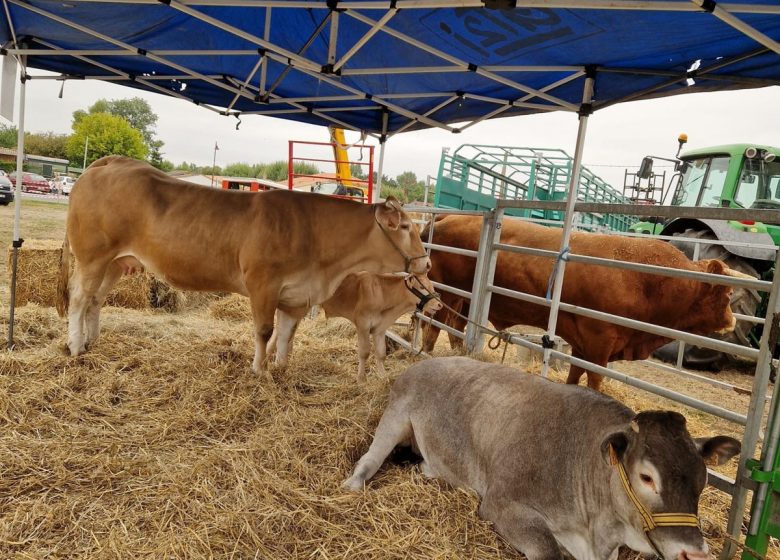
x=717 y=450
x=714 y=266
x=388 y=214
x=618 y=442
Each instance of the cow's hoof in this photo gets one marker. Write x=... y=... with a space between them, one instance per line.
x=352 y=484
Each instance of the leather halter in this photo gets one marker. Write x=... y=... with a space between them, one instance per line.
x=650 y=521
x=407 y=259
x=424 y=297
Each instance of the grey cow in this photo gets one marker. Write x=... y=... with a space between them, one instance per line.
x=547 y=459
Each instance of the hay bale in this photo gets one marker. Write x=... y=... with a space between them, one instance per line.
x=38 y=267
x=231 y=308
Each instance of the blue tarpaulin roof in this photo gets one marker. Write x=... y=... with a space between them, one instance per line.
x=385 y=67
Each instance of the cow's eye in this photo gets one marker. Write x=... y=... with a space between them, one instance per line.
x=405 y=226
x=646 y=478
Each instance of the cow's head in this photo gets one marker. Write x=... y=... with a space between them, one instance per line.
x=403 y=236
x=666 y=470
x=711 y=311
x=423 y=290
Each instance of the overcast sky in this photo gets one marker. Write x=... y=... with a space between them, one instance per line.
x=617 y=137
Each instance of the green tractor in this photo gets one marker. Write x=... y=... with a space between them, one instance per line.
x=730 y=176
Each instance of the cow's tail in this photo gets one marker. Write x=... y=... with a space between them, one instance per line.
x=63 y=296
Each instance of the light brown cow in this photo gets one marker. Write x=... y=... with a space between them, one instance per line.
x=282 y=249
x=687 y=305
x=373 y=302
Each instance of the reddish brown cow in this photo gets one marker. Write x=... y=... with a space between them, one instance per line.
x=688 y=305
x=373 y=302
x=282 y=249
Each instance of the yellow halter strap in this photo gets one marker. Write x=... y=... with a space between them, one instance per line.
x=650 y=521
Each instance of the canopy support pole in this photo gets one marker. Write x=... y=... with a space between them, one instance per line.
x=574 y=181
x=380 y=168
x=17 y=242
x=378 y=184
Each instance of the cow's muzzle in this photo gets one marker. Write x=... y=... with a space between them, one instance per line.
x=423 y=296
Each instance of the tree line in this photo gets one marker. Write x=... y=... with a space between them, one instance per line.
x=127 y=127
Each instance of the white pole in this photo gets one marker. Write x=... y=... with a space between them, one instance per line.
x=17 y=241
x=574 y=182
x=86 y=146
x=214 y=163
x=378 y=187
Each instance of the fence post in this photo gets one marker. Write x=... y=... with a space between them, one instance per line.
x=755 y=414
x=483 y=276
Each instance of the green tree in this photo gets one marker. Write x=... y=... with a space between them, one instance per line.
x=8 y=135
x=49 y=144
x=166 y=165
x=358 y=171
x=108 y=134
x=240 y=170
x=135 y=111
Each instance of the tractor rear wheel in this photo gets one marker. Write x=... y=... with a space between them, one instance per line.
x=743 y=301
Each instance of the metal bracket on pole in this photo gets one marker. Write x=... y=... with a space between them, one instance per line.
x=484 y=272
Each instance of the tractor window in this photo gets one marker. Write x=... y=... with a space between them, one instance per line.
x=760 y=181
x=690 y=185
x=716 y=179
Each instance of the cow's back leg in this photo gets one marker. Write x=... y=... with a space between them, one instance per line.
x=263 y=308
x=380 y=351
x=394 y=429
x=112 y=276
x=454 y=319
x=576 y=372
x=364 y=348
x=282 y=338
x=446 y=316
x=521 y=525
x=84 y=286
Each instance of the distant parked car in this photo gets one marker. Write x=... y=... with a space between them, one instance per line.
x=6 y=190
x=66 y=184
x=32 y=182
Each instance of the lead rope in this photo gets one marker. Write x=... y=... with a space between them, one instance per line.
x=493 y=342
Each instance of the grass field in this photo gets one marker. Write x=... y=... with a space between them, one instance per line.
x=160 y=442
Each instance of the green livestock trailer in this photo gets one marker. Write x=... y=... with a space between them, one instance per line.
x=474 y=176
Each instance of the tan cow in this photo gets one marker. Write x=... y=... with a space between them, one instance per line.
x=679 y=303
x=373 y=302
x=282 y=249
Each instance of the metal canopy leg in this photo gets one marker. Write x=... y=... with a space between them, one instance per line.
x=17 y=242
x=560 y=264
x=380 y=168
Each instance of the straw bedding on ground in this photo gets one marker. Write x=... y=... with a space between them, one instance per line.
x=161 y=443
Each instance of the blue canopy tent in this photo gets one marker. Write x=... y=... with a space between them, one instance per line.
x=384 y=67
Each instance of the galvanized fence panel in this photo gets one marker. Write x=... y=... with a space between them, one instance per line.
x=483 y=287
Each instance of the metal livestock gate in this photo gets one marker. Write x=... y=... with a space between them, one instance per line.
x=759 y=476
